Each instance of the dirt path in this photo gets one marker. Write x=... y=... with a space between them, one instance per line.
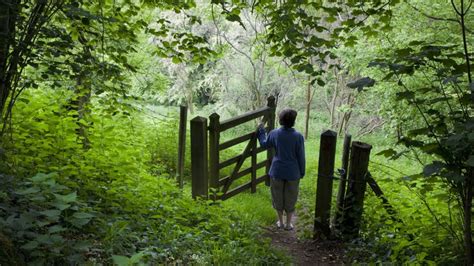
x=308 y=252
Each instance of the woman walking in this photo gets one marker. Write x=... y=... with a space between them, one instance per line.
x=288 y=165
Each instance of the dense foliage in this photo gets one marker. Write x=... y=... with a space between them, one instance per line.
x=64 y=204
x=88 y=141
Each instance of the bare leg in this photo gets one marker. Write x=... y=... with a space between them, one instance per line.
x=280 y=217
x=289 y=216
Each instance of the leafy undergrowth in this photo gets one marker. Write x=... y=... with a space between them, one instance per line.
x=146 y=218
x=109 y=202
x=106 y=196
x=425 y=228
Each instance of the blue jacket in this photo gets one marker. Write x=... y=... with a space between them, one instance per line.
x=289 y=161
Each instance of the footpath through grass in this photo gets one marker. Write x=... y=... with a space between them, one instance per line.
x=424 y=235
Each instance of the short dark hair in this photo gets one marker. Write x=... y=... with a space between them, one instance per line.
x=287 y=117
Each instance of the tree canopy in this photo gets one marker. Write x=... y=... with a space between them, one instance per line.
x=86 y=89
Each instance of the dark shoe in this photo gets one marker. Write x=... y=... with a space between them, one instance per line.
x=289 y=227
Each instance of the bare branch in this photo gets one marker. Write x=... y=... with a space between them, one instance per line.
x=430 y=16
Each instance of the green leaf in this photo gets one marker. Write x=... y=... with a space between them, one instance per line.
x=85 y=21
x=136 y=258
x=79 y=222
x=430 y=147
x=71 y=197
x=44 y=239
x=120 y=260
x=408 y=95
x=433 y=168
x=30 y=245
x=40 y=177
x=470 y=161
x=425 y=242
x=79 y=219
x=233 y=18
x=83 y=215
x=331 y=19
x=455 y=176
x=51 y=213
x=60 y=206
x=419 y=131
x=470 y=136
x=321 y=82
x=387 y=153
x=361 y=83
x=55 y=229
x=43 y=223
x=82 y=245
x=27 y=191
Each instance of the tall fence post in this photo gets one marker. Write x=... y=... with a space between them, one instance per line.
x=354 y=199
x=327 y=153
x=183 y=116
x=342 y=182
x=214 y=136
x=271 y=125
x=199 y=170
x=253 y=181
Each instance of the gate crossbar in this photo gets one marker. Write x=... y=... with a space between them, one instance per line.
x=239 y=163
x=243 y=187
x=237 y=158
x=251 y=150
x=232 y=122
x=245 y=172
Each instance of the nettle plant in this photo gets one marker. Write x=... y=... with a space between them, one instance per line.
x=44 y=219
x=432 y=80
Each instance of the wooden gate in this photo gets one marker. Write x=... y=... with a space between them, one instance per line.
x=221 y=187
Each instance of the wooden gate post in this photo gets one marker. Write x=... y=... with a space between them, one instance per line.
x=327 y=153
x=253 y=176
x=199 y=169
x=183 y=113
x=271 y=125
x=342 y=182
x=354 y=200
x=214 y=136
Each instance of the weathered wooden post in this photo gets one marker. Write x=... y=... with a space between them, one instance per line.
x=342 y=182
x=183 y=116
x=327 y=153
x=253 y=187
x=271 y=125
x=378 y=192
x=214 y=136
x=354 y=199
x=199 y=170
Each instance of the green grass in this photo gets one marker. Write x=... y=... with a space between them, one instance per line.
x=255 y=206
x=382 y=239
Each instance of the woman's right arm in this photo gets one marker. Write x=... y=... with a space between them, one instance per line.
x=264 y=140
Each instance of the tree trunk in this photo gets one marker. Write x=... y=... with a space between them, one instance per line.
x=467 y=218
x=4 y=36
x=334 y=99
x=189 y=102
x=308 y=109
x=83 y=93
x=6 y=20
x=346 y=123
x=14 y=52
